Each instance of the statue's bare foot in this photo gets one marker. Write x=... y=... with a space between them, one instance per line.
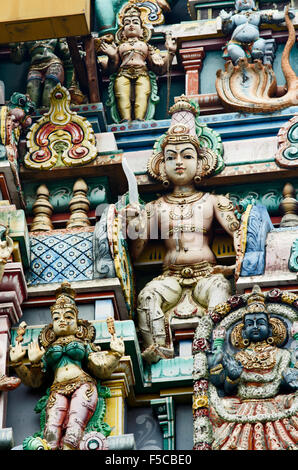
x=9 y=383
x=155 y=352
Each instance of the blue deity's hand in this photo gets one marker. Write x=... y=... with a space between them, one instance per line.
x=214 y=358
x=225 y=15
x=232 y=366
x=291 y=378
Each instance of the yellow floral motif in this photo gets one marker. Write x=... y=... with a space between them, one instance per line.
x=200 y=402
x=289 y=297
x=222 y=309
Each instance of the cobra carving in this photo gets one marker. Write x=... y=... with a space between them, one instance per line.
x=251 y=87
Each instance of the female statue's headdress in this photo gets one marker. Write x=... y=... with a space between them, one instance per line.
x=65 y=298
x=128 y=11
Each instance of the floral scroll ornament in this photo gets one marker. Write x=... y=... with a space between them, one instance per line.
x=61 y=137
x=287 y=154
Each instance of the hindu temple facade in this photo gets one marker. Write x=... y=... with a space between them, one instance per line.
x=149 y=225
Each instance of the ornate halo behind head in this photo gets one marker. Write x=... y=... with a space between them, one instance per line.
x=178 y=134
x=131 y=10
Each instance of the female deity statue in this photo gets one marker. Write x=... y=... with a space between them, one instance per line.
x=244 y=25
x=64 y=347
x=132 y=60
x=191 y=281
x=256 y=407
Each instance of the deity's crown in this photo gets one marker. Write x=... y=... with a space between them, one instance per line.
x=65 y=297
x=256 y=301
x=130 y=11
x=180 y=134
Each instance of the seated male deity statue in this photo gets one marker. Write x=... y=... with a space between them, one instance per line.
x=191 y=282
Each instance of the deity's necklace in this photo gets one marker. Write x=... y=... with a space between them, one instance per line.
x=185 y=204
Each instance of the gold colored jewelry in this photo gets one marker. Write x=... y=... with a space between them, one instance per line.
x=233 y=382
x=217 y=369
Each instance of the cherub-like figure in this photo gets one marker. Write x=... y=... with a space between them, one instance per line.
x=191 y=281
x=259 y=410
x=131 y=58
x=65 y=349
x=244 y=26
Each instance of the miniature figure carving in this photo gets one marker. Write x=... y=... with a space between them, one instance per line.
x=244 y=25
x=132 y=60
x=63 y=348
x=252 y=87
x=191 y=281
x=48 y=58
x=259 y=409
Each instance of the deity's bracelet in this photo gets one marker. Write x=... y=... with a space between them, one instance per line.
x=36 y=364
x=233 y=382
x=16 y=364
x=217 y=369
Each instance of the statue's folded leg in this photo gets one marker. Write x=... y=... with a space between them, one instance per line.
x=212 y=290
x=157 y=297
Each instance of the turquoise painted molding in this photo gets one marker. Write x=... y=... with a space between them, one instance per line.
x=163 y=409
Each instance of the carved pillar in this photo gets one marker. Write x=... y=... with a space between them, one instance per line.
x=13 y=291
x=192 y=61
x=4 y=345
x=163 y=409
x=119 y=384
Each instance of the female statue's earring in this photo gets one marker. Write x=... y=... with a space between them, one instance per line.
x=270 y=340
x=246 y=342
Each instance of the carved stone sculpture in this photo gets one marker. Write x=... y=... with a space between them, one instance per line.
x=243 y=25
x=251 y=87
x=248 y=375
x=46 y=69
x=14 y=118
x=60 y=137
x=191 y=282
x=65 y=348
x=132 y=64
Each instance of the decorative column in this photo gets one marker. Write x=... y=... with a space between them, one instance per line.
x=192 y=61
x=163 y=409
x=13 y=291
x=119 y=384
